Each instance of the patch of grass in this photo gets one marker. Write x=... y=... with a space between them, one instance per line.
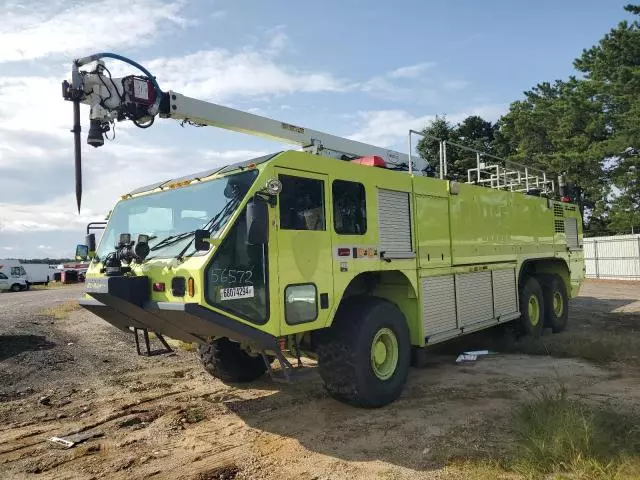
x=602 y=349
x=61 y=310
x=558 y=435
x=194 y=414
x=599 y=345
x=53 y=285
x=470 y=470
x=186 y=346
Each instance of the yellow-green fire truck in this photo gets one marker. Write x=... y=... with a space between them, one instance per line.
x=328 y=252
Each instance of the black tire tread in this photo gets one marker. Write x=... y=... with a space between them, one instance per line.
x=528 y=285
x=549 y=283
x=338 y=362
x=226 y=361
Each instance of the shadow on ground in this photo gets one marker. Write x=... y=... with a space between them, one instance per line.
x=12 y=345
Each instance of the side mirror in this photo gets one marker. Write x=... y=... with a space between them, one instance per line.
x=257 y=222
x=90 y=240
x=199 y=240
x=82 y=252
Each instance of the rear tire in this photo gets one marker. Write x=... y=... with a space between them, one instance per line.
x=364 y=357
x=556 y=302
x=227 y=361
x=531 y=307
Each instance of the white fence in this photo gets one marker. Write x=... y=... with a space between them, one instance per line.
x=615 y=257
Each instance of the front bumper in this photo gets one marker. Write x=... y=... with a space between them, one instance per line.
x=124 y=302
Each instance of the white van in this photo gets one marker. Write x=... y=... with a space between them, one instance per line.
x=12 y=275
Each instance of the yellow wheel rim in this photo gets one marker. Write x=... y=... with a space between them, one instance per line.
x=558 y=304
x=534 y=310
x=384 y=353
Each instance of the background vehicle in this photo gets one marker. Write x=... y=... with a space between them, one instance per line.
x=38 y=273
x=357 y=259
x=16 y=276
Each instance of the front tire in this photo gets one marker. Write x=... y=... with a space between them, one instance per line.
x=364 y=357
x=15 y=287
x=227 y=361
x=532 y=307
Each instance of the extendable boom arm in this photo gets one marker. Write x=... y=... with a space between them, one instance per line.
x=139 y=99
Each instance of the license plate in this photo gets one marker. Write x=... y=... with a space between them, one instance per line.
x=236 y=292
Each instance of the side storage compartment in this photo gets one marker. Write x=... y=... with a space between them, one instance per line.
x=474 y=298
x=453 y=305
x=439 y=305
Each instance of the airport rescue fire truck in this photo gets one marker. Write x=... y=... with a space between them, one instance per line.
x=339 y=251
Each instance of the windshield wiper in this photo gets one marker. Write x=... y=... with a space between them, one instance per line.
x=171 y=240
x=214 y=223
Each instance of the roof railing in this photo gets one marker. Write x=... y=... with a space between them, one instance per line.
x=497 y=173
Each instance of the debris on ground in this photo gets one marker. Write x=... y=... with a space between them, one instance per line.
x=472 y=356
x=73 y=440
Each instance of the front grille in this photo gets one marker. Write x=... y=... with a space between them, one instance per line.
x=559 y=226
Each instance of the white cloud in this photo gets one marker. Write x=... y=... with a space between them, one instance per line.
x=279 y=40
x=390 y=127
x=44 y=247
x=411 y=71
x=40 y=29
x=7 y=248
x=219 y=74
x=109 y=175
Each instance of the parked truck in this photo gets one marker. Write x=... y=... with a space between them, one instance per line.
x=38 y=273
x=341 y=252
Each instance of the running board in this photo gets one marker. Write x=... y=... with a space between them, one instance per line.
x=147 y=343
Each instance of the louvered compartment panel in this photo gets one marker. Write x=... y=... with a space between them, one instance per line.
x=438 y=304
x=394 y=222
x=474 y=299
x=505 y=298
x=571 y=230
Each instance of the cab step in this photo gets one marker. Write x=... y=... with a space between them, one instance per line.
x=287 y=373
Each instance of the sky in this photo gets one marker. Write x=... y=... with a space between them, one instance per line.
x=367 y=70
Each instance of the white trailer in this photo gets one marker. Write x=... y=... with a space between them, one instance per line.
x=38 y=273
x=12 y=275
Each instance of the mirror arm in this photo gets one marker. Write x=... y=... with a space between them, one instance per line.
x=272 y=200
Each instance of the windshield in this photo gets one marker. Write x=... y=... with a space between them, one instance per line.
x=173 y=212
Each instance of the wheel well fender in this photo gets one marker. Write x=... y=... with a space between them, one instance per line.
x=550 y=266
x=396 y=286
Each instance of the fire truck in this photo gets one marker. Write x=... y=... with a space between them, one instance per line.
x=338 y=251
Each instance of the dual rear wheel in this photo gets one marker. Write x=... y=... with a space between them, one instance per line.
x=543 y=303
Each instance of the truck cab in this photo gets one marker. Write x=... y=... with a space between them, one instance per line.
x=13 y=276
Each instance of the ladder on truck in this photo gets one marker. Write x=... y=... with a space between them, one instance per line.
x=139 y=98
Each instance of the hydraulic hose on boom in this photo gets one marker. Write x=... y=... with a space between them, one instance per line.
x=139 y=98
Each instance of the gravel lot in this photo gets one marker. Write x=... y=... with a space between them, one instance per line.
x=164 y=417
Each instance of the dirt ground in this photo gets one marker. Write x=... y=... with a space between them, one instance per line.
x=164 y=417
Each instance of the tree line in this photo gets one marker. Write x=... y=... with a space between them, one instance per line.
x=586 y=127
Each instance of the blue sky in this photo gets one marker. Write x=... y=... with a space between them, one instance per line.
x=365 y=70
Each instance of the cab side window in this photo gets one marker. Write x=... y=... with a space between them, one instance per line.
x=349 y=208
x=3 y=276
x=301 y=203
